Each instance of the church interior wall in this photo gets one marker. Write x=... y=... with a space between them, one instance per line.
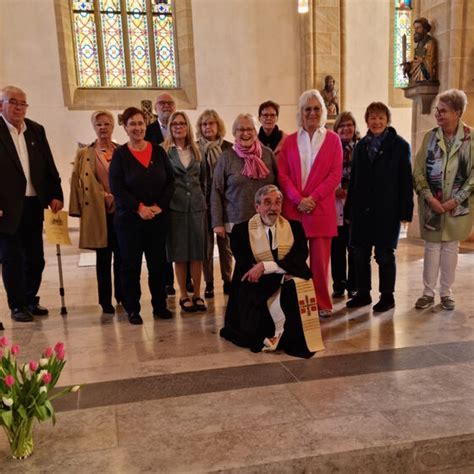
x=366 y=69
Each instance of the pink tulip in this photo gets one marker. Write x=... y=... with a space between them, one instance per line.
x=15 y=349
x=60 y=355
x=59 y=347
x=9 y=381
x=33 y=365
x=3 y=341
x=47 y=377
x=48 y=352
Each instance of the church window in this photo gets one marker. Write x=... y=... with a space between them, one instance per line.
x=402 y=39
x=124 y=44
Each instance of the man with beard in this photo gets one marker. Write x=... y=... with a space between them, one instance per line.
x=329 y=94
x=423 y=66
x=272 y=303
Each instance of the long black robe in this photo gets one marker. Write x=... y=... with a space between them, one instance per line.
x=247 y=320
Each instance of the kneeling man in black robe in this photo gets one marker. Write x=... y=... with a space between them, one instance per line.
x=272 y=303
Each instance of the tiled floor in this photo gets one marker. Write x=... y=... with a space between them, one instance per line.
x=391 y=393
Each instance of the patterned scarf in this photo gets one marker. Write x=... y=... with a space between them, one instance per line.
x=374 y=142
x=436 y=161
x=272 y=140
x=348 y=148
x=211 y=150
x=254 y=167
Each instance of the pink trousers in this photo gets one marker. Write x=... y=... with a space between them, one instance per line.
x=319 y=257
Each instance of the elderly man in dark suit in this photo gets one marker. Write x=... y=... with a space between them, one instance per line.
x=29 y=182
x=156 y=132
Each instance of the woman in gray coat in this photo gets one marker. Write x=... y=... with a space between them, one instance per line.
x=187 y=233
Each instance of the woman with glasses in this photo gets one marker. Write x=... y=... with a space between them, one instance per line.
x=142 y=182
x=444 y=182
x=342 y=254
x=310 y=169
x=92 y=201
x=269 y=134
x=240 y=172
x=210 y=133
x=187 y=237
x=379 y=199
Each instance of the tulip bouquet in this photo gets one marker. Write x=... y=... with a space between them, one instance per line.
x=26 y=393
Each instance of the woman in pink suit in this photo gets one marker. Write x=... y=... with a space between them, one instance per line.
x=309 y=171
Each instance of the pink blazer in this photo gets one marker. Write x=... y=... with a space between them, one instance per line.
x=323 y=179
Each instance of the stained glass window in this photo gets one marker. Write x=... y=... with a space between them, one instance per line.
x=402 y=40
x=124 y=43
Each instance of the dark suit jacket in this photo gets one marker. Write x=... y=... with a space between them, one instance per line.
x=154 y=134
x=43 y=172
x=380 y=193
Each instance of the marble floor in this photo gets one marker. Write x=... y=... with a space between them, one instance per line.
x=391 y=393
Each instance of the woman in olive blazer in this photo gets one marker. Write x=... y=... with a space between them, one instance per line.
x=187 y=234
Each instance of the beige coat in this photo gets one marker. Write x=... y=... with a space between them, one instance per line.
x=87 y=200
x=452 y=228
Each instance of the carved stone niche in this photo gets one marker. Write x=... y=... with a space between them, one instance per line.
x=424 y=93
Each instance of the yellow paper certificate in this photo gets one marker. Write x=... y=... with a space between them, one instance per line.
x=56 y=228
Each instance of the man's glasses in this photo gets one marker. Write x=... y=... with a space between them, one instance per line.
x=268 y=116
x=170 y=103
x=15 y=103
x=308 y=110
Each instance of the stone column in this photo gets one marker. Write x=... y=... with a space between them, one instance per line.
x=321 y=45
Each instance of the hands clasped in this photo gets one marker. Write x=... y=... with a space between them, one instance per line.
x=149 y=212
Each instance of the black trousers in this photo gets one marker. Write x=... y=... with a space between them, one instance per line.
x=385 y=258
x=103 y=270
x=22 y=256
x=342 y=261
x=137 y=237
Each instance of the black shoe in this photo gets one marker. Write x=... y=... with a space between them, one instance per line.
x=38 y=310
x=135 y=318
x=22 y=315
x=162 y=314
x=209 y=291
x=170 y=290
x=338 y=293
x=385 y=303
x=359 y=300
x=108 y=309
x=227 y=287
x=351 y=293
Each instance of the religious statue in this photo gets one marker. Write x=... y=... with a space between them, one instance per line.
x=423 y=66
x=329 y=94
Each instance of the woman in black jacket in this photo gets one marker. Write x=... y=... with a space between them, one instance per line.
x=142 y=181
x=380 y=197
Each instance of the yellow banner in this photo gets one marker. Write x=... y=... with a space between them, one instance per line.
x=56 y=228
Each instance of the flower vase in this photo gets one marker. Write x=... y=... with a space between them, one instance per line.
x=20 y=438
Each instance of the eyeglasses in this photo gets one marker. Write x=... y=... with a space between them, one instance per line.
x=178 y=124
x=15 y=103
x=268 y=115
x=438 y=111
x=243 y=130
x=166 y=102
x=208 y=124
x=308 y=110
x=346 y=125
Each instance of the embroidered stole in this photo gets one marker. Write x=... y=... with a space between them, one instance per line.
x=308 y=307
